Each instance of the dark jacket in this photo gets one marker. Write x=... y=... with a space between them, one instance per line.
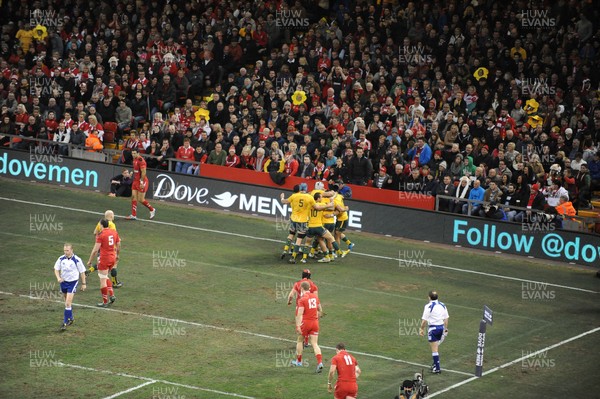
x=360 y=169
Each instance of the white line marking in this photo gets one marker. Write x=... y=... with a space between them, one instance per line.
x=566 y=341
x=321 y=282
x=151 y=380
x=250 y=333
x=128 y=390
x=279 y=241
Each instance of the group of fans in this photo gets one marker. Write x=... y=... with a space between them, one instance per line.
x=396 y=95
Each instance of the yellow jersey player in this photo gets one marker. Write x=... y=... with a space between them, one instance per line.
x=316 y=229
x=301 y=204
x=110 y=216
x=342 y=218
x=292 y=230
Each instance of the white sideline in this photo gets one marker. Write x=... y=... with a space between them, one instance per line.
x=566 y=341
x=127 y=390
x=278 y=241
x=253 y=334
x=151 y=381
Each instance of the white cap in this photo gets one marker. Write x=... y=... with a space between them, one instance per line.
x=568 y=131
x=319 y=185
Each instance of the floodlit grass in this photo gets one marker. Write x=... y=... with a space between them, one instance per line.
x=204 y=305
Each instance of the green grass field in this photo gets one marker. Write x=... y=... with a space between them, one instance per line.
x=203 y=310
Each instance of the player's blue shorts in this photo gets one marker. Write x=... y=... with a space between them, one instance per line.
x=434 y=333
x=69 y=287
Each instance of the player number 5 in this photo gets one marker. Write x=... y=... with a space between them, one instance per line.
x=111 y=240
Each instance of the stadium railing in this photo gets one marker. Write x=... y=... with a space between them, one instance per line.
x=573 y=223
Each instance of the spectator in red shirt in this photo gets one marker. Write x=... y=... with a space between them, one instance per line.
x=232 y=160
x=184 y=153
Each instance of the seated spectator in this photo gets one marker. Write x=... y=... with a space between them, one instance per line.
x=307 y=169
x=381 y=177
x=415 y=183
x=508 y=200
x=6 y=127
x=360 y=168
x=232 y=160
x=217 y=156
x=62 y=136
x=164 y=154
x=565 y=207
x=183 y=154
x=462 y=192
x=476 y=194
x=201 y=157
x=445 y=188
x=554 y=193
x=431 y=185
x=492 y=195
x=130 y=144
x=154 y=152
x=291 y=164
x=120 y=185
x=274 y=164
x=93 y=143
x=260 y=160
x=535 y=202
x=583 y=182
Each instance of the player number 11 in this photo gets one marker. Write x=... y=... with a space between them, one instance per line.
x=348 y=360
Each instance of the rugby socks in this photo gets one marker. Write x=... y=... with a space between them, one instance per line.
x=306 y=340
x=299 y=358
x=68 y=315
x=147 y=205
x=436 y=360
x=109 y=288
x=346 y=240
x=288 y=244
x=104 y=291
x=133 y=208
x=319 y=358
x=113 y=276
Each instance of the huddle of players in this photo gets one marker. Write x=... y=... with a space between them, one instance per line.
x=308 y=312
x=317 y=217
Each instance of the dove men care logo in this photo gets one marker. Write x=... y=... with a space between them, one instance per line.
x=165 y=187
x=225 y=200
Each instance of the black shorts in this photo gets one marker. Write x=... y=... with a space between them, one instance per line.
x=340 y=225
x=330 y=227
x=316 y=232
x=298 y=227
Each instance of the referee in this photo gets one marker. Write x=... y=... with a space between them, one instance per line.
x=67 y=269
x=435 y=315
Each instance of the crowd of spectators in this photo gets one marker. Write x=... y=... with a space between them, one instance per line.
x=431 y=97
